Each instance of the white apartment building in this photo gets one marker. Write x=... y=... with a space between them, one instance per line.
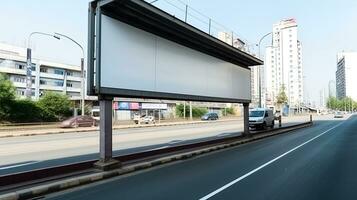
x=283 y=65
x=46 y=75
x=346 y=81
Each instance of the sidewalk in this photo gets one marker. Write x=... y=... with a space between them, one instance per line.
x=55 y=130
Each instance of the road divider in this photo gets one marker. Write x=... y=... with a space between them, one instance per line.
x=59 y=178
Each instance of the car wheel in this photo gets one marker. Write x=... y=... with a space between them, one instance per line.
x=264 y=125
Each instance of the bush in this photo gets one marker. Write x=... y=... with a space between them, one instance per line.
x=196 y=111
x=55 y=106
x=229 y=111
x=7 y=97
x=25 y=110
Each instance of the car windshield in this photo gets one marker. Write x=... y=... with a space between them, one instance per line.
x=256 y=113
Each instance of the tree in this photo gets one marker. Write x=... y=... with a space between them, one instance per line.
x=7 y=96
x=281 y=98
x=55 y=106
x=196 y=111
x=346 y=103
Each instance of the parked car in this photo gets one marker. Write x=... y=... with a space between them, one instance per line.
x=144 y=119
x=79 y=121
x=261 y=118
x=210 y=116
x=338 y=114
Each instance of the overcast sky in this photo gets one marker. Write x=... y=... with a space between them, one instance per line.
x=326 y=27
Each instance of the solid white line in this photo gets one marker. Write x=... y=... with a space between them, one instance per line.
x=163 y=147
x=19 y=165
x=262 y=166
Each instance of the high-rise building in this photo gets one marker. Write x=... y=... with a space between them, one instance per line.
x=283 y=65
x=345 y=75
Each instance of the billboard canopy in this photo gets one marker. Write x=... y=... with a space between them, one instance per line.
x=138 y=50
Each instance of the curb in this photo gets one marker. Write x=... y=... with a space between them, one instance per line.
x=117 y=128
x=98 y=176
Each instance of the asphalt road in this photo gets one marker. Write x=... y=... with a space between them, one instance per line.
x=32 y=152
x=319 y=162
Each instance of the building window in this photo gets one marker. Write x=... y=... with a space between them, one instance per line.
x=69 y=84
x=20 y=92
x=43 y=69
x=20 y=66
x=43 y=82
x=59 y=83
x=69 y=73
x=59 y=71
x=19 y=79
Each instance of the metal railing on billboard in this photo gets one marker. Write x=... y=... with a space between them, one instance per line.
x=184 y=12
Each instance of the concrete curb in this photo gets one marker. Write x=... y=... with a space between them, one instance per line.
x=98 y=176
x=115 y=128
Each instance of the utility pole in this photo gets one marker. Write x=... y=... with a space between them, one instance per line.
x=190 y=110
x=184 y=110
x=28 y=91
x=82 y=69
x=260 y=71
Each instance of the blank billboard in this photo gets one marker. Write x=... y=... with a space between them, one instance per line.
x=135 y=60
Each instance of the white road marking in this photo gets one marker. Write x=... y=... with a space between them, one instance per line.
x=264 y=165
x=163 y=147
x=19 y=165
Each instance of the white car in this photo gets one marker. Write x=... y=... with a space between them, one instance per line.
x=144 y=119
x=261 y=118
x=338 y=114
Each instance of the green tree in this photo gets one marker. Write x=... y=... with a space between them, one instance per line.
x=196 y=111
x=7 y=96
x=281 y=98
x=332 y=103
x=55 y=106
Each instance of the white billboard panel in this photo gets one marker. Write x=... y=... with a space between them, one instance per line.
x=133 y=59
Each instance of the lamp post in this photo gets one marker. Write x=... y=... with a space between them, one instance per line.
x=28 y=91
x=82 y=68
x=259 y=70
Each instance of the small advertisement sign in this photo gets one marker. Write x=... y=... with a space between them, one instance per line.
x=154 y=106
x=124 y=106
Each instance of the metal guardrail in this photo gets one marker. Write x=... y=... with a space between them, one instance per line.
x=13 y=181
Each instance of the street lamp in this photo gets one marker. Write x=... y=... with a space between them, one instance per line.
x=28 y=91
x=59 y=35
x=259 y=69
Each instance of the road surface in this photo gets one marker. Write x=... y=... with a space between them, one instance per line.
x=32 y=152
x=319 y=162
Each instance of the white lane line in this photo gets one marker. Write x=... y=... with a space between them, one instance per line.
x=163 y=147
x=19 y=165
x=264 y=165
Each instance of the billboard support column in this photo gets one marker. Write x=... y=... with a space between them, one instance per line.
x=106 y=162
x=246 y=119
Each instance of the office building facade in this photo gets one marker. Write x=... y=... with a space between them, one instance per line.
x=346 y=81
